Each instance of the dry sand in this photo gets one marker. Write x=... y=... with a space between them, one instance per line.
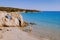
x=14 y=33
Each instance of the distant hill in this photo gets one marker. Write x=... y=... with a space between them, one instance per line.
x=11 y=9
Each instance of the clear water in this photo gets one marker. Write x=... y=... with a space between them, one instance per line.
x=48 y=24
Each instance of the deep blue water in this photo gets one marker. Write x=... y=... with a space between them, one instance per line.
x=47 y=20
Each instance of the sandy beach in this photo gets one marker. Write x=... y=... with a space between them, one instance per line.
x=14 y=33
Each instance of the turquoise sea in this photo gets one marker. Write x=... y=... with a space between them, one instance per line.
x=48 y=24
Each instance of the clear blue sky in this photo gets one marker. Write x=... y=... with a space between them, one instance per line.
x=44 y=5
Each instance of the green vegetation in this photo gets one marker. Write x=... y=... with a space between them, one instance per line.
x=10 y=9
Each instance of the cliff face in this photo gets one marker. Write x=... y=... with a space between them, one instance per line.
x=11 y=19
x=10 y=9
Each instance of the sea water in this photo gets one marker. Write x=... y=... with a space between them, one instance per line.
x=47 y=24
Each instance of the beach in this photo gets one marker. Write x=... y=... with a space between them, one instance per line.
x=29 y=19
x=47 y=27
x=14 y=33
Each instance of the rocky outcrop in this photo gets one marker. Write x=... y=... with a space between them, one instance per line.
x=11 y=19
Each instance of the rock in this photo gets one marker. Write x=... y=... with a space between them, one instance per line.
x=10 y=19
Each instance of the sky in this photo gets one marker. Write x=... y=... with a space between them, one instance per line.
x=43 y=5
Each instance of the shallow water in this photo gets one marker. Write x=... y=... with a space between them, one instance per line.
x=48 y=24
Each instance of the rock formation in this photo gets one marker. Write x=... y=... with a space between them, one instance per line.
x=10 y=19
